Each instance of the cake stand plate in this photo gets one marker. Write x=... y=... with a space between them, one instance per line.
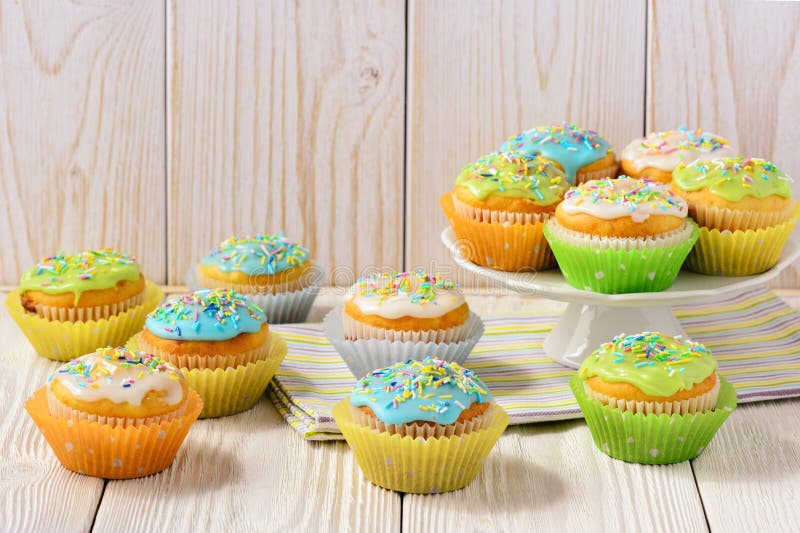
x=591 y=318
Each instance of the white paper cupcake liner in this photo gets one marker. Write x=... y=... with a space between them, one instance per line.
x=354 y=330
x=364 y=356
x=281 y=308
x=497 y=217
x=586 y=240
x=698 y=404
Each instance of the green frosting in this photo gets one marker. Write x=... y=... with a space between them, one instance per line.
x=515 y=175
x=76 y=274
x=656 y=364
x=733 y=178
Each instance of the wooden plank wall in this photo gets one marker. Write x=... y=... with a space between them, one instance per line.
x=162 y=126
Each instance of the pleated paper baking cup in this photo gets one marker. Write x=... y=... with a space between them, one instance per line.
x=698 y=404
x=117 y=452
x=363 y=356
x=84 y=314
x=62 y=410
x=653 y=439
x=610 y=172
x=280 y=308
x=496 y=217
x=732 y=219
x=209 y=360
x=425 y=430
x=739 y=253
x=62 y=341
x=353 y=329
x=419 y=466
x=232 y=390
x=508 y=247
x=617 y=265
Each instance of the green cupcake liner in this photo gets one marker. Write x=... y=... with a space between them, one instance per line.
x=619 y=271
x=652 y=439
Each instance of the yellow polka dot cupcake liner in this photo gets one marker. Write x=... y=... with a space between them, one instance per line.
x=62 y=341
x=112 y=452
x=232 y=390
x=508 y=247
x=739 y=253
x=651 y=438
x=419 y=466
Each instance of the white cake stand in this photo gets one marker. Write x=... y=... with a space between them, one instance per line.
x=591 y=318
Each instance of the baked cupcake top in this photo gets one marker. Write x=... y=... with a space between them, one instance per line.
x=416 y=294
x=665 y=150
x=121 y=376
x=623 y=197
x=262 y=254
x=514 y=174
x=656 y=364
x=206 y=315
x=570 y=146
x=78 y=273
x=430 y=390
x=733 y=178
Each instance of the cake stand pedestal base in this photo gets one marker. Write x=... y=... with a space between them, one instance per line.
x=583 y=328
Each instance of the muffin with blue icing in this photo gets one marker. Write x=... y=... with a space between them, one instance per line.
x=422 y=426
x=583 y=154
x=652 y=398
x=220 y=341
x=274 y=271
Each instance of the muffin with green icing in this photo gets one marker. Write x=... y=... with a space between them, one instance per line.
x=583 y=154
x=745 y=210
x=221 y=342
x=272 y=270
x=652 y=398
x=70 y=304
x=499 y=205
x=422 y=426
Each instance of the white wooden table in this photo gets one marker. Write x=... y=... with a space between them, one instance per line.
x=252 y=472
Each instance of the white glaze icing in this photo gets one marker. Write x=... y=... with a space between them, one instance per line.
x=402 y=294
x=103 y=375
x=666 y=150
x=623 y=197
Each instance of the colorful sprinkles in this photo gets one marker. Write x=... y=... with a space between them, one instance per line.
x=419 y=286
x=513 y=168
x=273 y=252
x=685 y=139
x=649 y=348
x=90 y=372
x=223 y=307
x=568 y=135
x=643 y=193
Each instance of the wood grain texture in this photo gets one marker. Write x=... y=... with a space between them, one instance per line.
x=732 y=71
x=82 y=115
x=287 y=115
x=749 y=478
x=36 y=492
x=481 y=71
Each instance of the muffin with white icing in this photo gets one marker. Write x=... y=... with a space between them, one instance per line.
x=622 y=235
x=658 y=154
x=115 y=413
x=390 y=317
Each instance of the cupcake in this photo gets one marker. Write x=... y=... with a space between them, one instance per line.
x=650 y=398
x=69 y=305
x=420 y=426
x=745 y=210
x=583 y=154
x=274 y=272
x=388 y=318
x=220 y=342
x=498 y=207
x=621 y=235
x=659 y=153
x=115 y=413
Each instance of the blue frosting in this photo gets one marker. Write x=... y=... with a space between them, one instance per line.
x=568 y=145
x=262 y=254
x=207 y=315
x=430 y=390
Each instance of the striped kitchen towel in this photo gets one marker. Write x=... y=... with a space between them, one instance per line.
x=755 y=337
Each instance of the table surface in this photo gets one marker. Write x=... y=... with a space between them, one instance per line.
x=252 y=472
